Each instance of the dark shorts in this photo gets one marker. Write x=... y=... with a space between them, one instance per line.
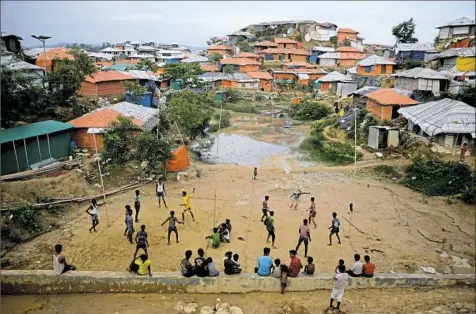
x=303 y=239
x=334 y=230
x=94 y=217
x=67 y=268
x=160 y=194
x=265 y=212
x=174 y=229
x=137 y=205
x=141 y=246
x=271 y=234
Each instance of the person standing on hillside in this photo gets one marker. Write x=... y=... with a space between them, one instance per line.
x=130 y=225
x=172 y=227
x=255 y=173
x=295 y=198
x=265 y=208
x=187 y=204
x=93 y=212
x=312 y=213
x=304 y=236
x=269 y=222
x=160 y=189
x=463 y=150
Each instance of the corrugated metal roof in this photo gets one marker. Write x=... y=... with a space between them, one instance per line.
x=195 y=58
x=303 y=76
x=330 y=55
x=284 y=40
x=442 y=116
x=146 y=48
x=427 y=47
x=456 y=52
x=373 y=60
x=285 y=51
x=459 y=22
x=325 y=49
x=141 y=75
x=100 y=55
x=100 y=118
x=266 y=43
x=347 y=30
x=352 y=70
x=260 y=75
x=365 y=90
x=110 y=49
x=335 y=77
x=14 y=64
x=239 y=61
x=218 y=76
x=145 y=114
x=422 y=73
x=33 y=130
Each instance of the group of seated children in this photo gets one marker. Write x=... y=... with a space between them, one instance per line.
x=205 y=267
x=220 y=234
x=359 y=269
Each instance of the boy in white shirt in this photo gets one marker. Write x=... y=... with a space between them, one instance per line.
x=356 y=268
x=338 y=289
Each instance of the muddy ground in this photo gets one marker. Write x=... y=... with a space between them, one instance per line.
x=373 y=301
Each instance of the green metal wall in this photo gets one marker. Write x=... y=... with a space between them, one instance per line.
x=59 y=144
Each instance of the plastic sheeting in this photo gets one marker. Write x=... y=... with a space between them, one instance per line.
x=465 y=64
x=180 y=160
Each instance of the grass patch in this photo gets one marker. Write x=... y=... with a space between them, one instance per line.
x=238 y=107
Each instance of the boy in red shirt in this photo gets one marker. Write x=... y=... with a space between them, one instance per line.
x=295 y=266
x=368 y=269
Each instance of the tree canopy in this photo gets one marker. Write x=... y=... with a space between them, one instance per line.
x=147 y=65
x=191 y=112
x=404 y=31
x=184 y=71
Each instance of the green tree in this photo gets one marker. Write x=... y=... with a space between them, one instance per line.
x=467 y=94
x=229 y=68
x=191 y=112
x=309 y=110
x=244 y=46
x=137 y=91
x=215 y=57
x=346 y=42
x=119 y=141
x=155 y=151
x=410 y=64
x=147 y=65
x=404 y=31
x=23 y=98
x=188 y=72
x=333 y=40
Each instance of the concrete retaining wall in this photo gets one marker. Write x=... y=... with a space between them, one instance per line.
x=46 y=282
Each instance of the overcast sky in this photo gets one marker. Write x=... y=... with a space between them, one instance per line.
x=192 y=23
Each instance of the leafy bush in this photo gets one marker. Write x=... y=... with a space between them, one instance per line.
x=435 y=177
x=469 y=196
x=26 y=218
x=309 y=110
x=410 y=64
x=244 y=108
x=155 y=151
x=232 y=95
x=225 y=121
x=119 y=140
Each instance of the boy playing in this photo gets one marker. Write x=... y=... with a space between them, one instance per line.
x=187 y=204
x=172 y=227
x=304 y=236
x=334 y=228
x=338 y=289
x=295 y=198
x=265 y=208
x=310 y=267
x=255 y=173
x=137 y=204
x=130 y=225
x=141 y=241
x=160 y=189
x=214 y=239
x=269 y=221
x=142 y=265
x=93 y=212
x=312 y=213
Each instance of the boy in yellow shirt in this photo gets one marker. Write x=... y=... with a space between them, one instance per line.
x=187 y=204
x=141 y=265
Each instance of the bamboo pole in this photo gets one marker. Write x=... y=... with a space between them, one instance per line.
x=16 y=156
x=216 y=166
x=39 y=150
x=49 y=148
x=100 y=176
x=26 y=155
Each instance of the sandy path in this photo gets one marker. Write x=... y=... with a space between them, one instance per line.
x=456 y=300
x=388 y=217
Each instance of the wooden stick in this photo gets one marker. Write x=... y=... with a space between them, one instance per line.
x=431 y=240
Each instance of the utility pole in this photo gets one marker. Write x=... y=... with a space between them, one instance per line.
x=43 y=40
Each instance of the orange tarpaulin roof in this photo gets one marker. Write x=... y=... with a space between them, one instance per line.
x=180 y=159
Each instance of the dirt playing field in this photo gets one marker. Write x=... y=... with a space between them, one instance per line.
x=389 y=221
x=420 y=301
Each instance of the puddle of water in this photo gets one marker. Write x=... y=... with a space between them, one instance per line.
x=241 y=150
